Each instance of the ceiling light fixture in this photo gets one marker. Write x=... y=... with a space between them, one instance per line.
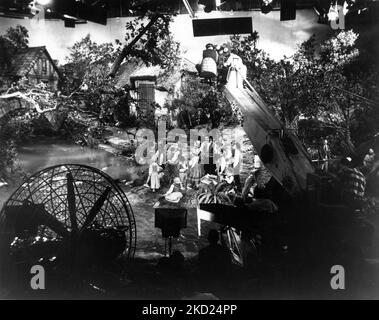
x=43 y=2
x=266 y=6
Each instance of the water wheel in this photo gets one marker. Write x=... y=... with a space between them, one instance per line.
x=70 y=212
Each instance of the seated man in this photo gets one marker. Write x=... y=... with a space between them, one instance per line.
x=214 y=260
x=252 y=179
x=210 y=52
x=351 y=183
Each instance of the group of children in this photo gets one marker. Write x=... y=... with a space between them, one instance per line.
x=184 y=169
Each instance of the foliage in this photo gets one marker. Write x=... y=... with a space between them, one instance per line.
x=315 y=84
x=88 y=65
x=15 y=38
x=212 y=194
x=7 y=150
x=156 y=46
x=85 y=79
x=18 y=36
x=199 y=103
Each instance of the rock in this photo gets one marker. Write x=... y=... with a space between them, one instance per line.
x=56 y=119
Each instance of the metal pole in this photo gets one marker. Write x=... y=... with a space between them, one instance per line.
x=189 y=9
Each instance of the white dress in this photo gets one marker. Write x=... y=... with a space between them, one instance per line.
x=154 y=176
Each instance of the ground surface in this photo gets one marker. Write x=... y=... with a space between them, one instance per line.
x=143 y=277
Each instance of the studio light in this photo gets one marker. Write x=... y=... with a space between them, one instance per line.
x=266 y=6
x=33 y=8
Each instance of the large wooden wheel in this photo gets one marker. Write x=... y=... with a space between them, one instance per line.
x=71 y=204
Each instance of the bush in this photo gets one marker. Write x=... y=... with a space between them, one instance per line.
x=200 y=104
x=8 y=152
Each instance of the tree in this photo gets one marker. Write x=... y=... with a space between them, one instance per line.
x=18 y=36
x=200 y=103
x=156 y=46
x=86 y=73
x=15 y=38
x=85 y=79
x=315 y=83
x=33 y=97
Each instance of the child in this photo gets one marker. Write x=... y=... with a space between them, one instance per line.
x=195 y=167
x=221 y=165
x=183 y=170
x=154 y=175
x=174 y=194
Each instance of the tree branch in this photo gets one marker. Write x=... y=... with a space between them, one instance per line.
x=128 y=47
x=20 y=95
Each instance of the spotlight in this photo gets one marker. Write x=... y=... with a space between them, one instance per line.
x=33 y=8
x=266 y=6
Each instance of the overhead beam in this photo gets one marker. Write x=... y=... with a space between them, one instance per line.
x=95 y=13
x=222 y=26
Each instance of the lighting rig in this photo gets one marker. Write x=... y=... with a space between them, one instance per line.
x=71 y=11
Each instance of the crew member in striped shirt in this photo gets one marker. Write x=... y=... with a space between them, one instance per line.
x=352 y=184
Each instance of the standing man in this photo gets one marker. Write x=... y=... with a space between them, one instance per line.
x=223 y=55
x=351 y=183
x=325 y=155
x=208 y=152
x=369 y=159
x=237 y=164
x=252 y=179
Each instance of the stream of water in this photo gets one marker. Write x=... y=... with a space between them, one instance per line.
x=44 y=153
